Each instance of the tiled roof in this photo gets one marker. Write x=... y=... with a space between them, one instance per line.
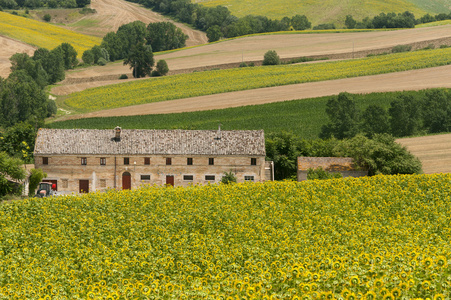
x=150 y=142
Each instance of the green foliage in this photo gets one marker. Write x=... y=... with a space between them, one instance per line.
x=88 y=57
x=69 y=55
x=300 y=22
x=47 y=17
x=350 y=23
x=281 y=148
x=405 y=116
x=328 y=26
x=214 y=33
x=165 y=36
x=243 y=65
x=102 y=61
x=344 y=117
x=321 y=174
x=271 y=58
x=140 y=60
x=375 y=119
x=228 y=178
x=401 y=48
x=36 y=175
x=12 y=168
x=162 y=67
x=18 y=141
x=123 y=76
x=436 y=111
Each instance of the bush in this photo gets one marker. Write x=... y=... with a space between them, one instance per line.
x=228 y=178
x=271 y=58
x=47 y=18
x=320 y=173
x=155 y=73
x=162 y=67
x=401 y=48
x=123 y=76
x=102 y=61
x=243 y=65
x=251 y=64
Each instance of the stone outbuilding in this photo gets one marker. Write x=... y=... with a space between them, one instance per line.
x=343 y=165
x=83 y=160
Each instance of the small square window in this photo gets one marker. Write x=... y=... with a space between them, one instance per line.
x=102 y=183
x=45 y=160
x=145 y=177
x=147 y=160
x=168 y=161
x=253 y=161
x=248 y=178
x=126 y=160
x=84 y=161
x=189 y=161
x=188 y=177
x=211 y=161
x=64 y=183
x=210 y=177
x=102 y=161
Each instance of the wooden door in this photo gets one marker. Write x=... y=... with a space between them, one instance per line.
x=170 y=180
x=126 y=181
x=84 y=186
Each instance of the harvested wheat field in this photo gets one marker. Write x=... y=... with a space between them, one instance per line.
x=433 y=151
x=251 y=49
x=9 y=47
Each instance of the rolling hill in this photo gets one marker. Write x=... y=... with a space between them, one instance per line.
x=328 y=11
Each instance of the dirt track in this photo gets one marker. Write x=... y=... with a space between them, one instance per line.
x=8 y=47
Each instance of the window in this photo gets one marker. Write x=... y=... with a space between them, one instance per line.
x=102 y=161
x=168 y=161
x=147 y=160
x=211 y=161
x=188 y=177
x=102 y=183
x=189 y=161
x=248 y=178
x=145 y=177
x=210 y=177
x=45 y=160
x=64 y=183
x=253 y=161
x=126 y=160
x=84 y=161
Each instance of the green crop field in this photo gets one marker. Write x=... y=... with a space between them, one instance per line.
x=221 y=81
x=327 y=11
x=44 y=35
x=379 y=238
x=303 y=117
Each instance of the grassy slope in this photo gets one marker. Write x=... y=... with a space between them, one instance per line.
x=43 y=35
x=304 y=117
x=325 y=11
x=221 y=81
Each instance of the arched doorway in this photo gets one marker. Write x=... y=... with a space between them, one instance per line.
x=126 y=181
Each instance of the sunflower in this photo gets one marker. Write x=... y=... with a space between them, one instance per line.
x=388 y=296
x=426 y=285
x=441 y=261
x=427 y=262
x=396 y=292
x=439 y=297
x=354 y=281
x=370 y=295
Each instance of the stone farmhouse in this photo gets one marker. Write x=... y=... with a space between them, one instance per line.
x=343 y=165
x=83 y=160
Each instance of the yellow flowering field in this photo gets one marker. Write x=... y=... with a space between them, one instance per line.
x=44 y=35
x=383 y=238
x=221 y=81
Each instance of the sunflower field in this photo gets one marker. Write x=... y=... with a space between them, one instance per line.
x=238 y=79
x=44 y=35
x=380 y=238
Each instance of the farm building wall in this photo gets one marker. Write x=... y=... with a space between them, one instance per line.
x=106 y=172
x=342 y=165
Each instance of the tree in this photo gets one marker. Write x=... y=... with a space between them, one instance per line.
x=271 y=58
x=281 y=149
x=69 y=55
x=350 y=23
x=18 y=140
x=375 y=119
x=140 y=59
x=35 y=177
x=162 y=67
x=165 y=36
x=88 y=57
x=437 y=111
x=10 y=168
x=47 y=17
x=214 y=33
x=320 y=173
x=343 y=117
x=113 y=44
x=300 y=22
x=404 y=116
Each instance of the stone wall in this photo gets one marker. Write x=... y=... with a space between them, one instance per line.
x=342 y=165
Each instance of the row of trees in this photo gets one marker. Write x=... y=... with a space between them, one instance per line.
x=407 y=115
x=393 y=20
x=218 y=22
x=16 y=4
x=379 y=154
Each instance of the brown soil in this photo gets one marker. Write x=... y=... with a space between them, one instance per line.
x=8 y=47
x=434 y=152
x=251 y=49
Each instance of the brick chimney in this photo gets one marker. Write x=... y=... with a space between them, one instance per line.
x=117 y=136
